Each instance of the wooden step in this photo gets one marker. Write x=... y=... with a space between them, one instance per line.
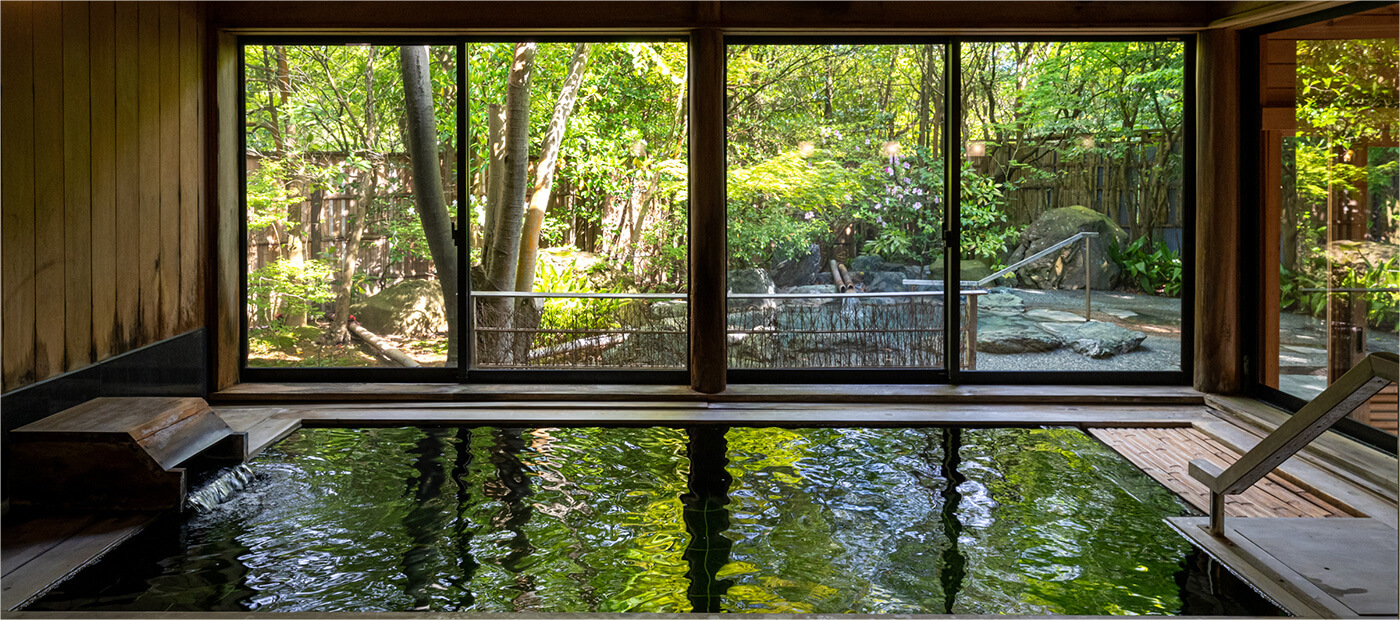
x=1163 y=453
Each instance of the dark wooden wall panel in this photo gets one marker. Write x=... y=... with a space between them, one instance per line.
x=128 y=220
x=48 y=191
x=148 y=173
x=169 y=70
x=102 y=78
x=190 y=312
x=17 y=190
x=102 y=109
x=77 y=187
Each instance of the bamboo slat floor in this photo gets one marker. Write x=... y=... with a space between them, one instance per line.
x=1163 y=453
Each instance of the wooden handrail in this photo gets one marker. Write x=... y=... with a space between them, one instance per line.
x=1348 y=392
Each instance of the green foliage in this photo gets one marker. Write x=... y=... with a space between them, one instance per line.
x=782 y=204
x=985 y=233
x=570 y=313
x=285 y=288
x=268 y=197
x=1154 y=268
x=1306 y=290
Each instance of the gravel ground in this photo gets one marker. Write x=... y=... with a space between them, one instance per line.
x=1158 y=317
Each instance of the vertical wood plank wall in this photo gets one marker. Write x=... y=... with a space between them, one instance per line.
x=102 y=176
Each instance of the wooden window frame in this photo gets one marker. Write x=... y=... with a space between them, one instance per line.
x=707 y=370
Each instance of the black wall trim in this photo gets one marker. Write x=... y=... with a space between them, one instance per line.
x=172 y=367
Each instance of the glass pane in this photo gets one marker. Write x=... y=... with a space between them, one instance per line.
x=835 y=206
x=349 y=241
x=1071 y=178
x=579 y=212
x=1330 y=188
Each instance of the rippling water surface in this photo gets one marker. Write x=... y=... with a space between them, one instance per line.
x=912 y=520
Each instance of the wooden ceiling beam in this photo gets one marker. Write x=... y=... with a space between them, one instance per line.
x=575 y=18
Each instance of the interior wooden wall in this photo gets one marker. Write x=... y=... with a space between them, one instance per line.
x=103 y=180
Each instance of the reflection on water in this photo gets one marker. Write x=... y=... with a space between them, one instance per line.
x=911 y=520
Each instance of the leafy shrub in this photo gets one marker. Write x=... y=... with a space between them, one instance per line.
x=781 y=205
x=572 y=313
x=1154 y=268
x=284 y=288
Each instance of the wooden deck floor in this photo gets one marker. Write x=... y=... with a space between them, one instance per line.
x=1164 y=453
x=39 y=553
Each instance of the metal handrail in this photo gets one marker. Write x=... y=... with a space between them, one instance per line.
x=1042 y=254
x=548 y=295
x=1088 y=274
x=1339 y=400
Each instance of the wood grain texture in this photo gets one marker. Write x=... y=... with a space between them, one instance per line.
x=17 y=193
x=708 y=366
x=68 y=556
x=77 y=187
x=169 y=64
x=49 y=230
x=803 y=18
x=915 y=394
x=148 y=173
x=190 y=314
x=228 y=309
x=128 y=189
x=1219 y=363
x=36 y=537
x=1163 y=453
x=102 y=80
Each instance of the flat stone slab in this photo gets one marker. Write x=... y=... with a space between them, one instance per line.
x=1041 y=314
x=1118 y=312
x=1315 y=567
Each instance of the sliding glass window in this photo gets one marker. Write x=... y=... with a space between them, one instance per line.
x=835 y=206
x=1330 y=277
x=351 y=185
x=1071 y=211
x=578 y=155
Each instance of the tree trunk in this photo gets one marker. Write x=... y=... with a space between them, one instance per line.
x=680 y=129
x=544 y=171
x=495 y=173
x=420 y=134
x=350 y=256
x=504 y=251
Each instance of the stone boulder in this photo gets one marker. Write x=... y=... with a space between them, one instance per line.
x=410 y=308
x=750 y=281
x=884 y=282
x=971 y=270
x=1001 y=303
x=916 y=272
x=813 y=289
x=799 y=270
x=1100 y=340
x=1065 y=269
x=1014 y=335
x=867 y=262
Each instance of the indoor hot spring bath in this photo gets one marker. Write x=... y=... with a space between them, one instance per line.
x=929 y=520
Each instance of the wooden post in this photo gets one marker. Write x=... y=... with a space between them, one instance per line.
x=1219 y=363
x=227 y=215
x=708 y=312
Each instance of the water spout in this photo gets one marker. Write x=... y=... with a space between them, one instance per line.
x=219 y=489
